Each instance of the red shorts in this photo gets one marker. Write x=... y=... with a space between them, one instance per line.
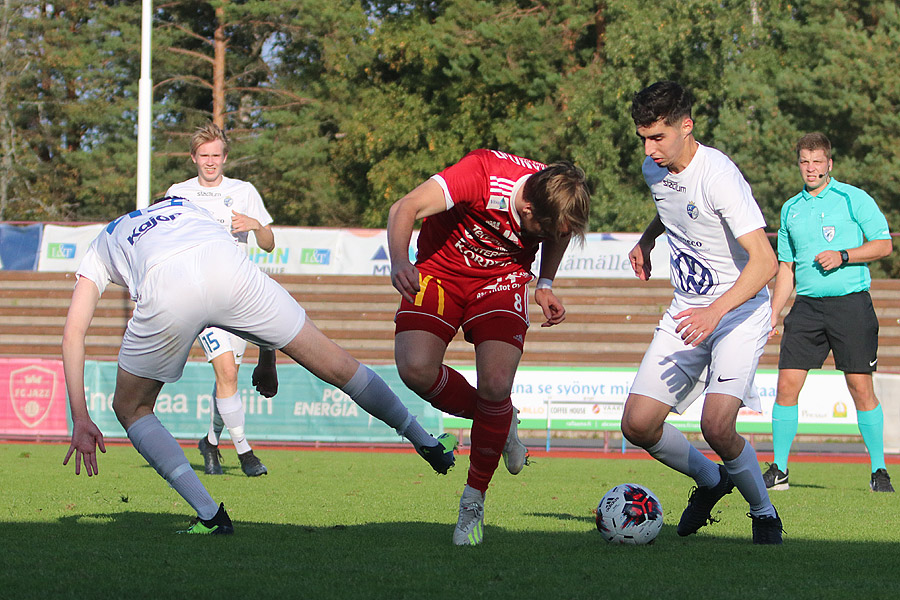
x=487 y=309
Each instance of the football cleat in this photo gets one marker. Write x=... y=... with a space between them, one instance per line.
x=470 y=525
x=250 y=464
x=701 y=502
x=767 y=530
x=775 y=479
x=211 y=457
x=220 y=524
x=881 y=481
x=515 y=454
x=440 y=456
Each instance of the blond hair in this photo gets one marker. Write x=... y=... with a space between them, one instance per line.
x=560 y=200
x=208 y=133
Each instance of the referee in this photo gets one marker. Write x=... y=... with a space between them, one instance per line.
x=829 y=231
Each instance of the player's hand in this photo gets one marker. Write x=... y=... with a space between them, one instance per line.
x=86 y=437
x=405 y=278
x=829 y=259
x=241 y=223
x=265 y=379
x=640 y=261
x=773 y=332
x=696 y=324
x=553 y=308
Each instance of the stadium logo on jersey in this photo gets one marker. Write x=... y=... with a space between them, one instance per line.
x=692 y=275
x=672 y=185
x=828 y=232
x=692 y=210
x=31 y=392
x=149 y=224
x=228 y=201
x=500 y=193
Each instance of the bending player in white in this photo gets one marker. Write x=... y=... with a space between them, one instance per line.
x=238 y=207
x=719 y=319
x=184 y=273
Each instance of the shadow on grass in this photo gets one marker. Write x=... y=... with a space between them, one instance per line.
x=139 y=555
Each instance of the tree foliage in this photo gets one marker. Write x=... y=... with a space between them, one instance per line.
x=337 y=108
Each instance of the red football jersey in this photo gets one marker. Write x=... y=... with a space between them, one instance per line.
x=480 y=235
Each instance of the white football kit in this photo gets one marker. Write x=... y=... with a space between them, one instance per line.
x=230 y=195
x=704 y=209
x=185 y=272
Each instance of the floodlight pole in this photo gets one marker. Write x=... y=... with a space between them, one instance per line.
x=145 y=105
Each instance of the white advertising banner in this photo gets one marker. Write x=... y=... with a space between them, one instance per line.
x=62 y=246
x=322 y=251
x=592 y=399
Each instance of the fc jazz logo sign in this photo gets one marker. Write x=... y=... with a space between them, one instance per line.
x=693 y=276
x=31 y=392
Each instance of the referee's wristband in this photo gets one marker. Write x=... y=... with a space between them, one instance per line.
x=544 y=283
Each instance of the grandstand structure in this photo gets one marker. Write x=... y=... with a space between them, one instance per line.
x=609 y=321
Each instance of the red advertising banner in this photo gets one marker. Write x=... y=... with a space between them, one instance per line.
x=32 y=397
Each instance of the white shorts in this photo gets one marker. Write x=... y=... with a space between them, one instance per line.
x=216 y=342
x=213 y=284
x=725 y=363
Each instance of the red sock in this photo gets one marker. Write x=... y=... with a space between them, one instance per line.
x=490 y=429
x=452 y=394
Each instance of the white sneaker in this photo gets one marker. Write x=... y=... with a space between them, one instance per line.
x=470 y=525
x=515 y=454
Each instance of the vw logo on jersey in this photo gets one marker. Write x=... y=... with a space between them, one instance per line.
x=828 y=232
x=692 y=210
x=694 y=277
x=228 y=201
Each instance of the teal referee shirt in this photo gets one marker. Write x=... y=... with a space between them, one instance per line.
x=840 y=217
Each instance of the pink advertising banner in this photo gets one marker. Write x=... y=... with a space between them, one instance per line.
x=32 y=397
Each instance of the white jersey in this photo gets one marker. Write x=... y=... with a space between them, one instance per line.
x=230 y=195
x=133 y=244
x=704 y=209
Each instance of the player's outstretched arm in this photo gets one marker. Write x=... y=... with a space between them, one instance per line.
x=552 y=252
x=426 y=200
x=86 y=437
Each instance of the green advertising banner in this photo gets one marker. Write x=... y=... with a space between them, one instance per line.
x=305 y=408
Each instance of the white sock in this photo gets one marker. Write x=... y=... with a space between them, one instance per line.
x=416 y=434
x=375 y=397
x=159 y=448
x=232 y=411
x=747 y=477
x=216 y=425
x=676 y=452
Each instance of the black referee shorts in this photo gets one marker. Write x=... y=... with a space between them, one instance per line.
x=846 y=325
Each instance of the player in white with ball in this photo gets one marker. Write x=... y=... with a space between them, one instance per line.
x=711 y=337
x=238 y=207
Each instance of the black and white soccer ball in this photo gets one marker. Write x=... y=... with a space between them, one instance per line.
x=629 y=514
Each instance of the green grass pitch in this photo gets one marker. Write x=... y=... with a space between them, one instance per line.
x=327 y=524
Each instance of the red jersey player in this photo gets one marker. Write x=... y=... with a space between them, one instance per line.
x=485 y=218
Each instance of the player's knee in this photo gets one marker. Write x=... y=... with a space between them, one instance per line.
x=417 y=375
x=635 y=432
x=717 y=434
x=494 y=388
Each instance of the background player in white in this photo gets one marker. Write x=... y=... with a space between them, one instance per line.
x=719 y=319
x=184 y=273
x=238 y=207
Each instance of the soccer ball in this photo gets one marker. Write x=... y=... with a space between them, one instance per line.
x=629 y=514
